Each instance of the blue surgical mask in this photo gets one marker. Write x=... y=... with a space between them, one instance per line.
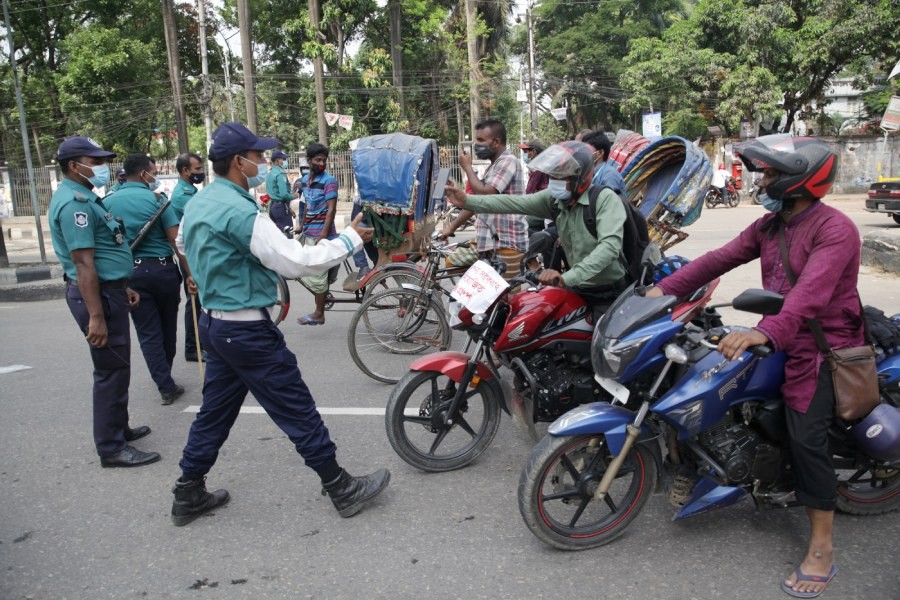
x=527 y=159
x=100 y=175
x=557 y=188
x=153 y=185
x=258 y=179
x=769 y=203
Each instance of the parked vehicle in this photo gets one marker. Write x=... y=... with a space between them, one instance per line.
x=884 y=197
x=719 y=424
x=714 y=197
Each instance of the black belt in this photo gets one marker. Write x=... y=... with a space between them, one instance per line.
x=163 y=260
x=119 y=284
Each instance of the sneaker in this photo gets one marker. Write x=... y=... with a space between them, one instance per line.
x=170 y=397
x=363 y=271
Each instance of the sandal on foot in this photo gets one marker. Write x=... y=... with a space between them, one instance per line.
x=801 y=576
x=309 y=320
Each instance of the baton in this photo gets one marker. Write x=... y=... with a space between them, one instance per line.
x=197 y=336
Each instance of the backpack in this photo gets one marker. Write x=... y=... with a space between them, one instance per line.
x=635 y=235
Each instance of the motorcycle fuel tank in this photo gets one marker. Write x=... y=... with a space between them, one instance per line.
x=547 y=314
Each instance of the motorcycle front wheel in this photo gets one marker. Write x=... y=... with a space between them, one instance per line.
x=733 y=199
x=556 y=491
x=416 y=424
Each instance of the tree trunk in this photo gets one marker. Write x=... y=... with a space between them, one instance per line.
x=397 y=50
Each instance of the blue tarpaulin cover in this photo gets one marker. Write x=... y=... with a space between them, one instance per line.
x=394 y=173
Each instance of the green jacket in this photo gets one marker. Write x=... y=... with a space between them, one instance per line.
x=277 y=185
x=181 y=195
x=593 y=261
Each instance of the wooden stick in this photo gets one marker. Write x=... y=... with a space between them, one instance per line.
x=197 y=336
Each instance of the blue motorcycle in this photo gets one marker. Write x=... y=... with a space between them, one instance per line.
x=710 y=430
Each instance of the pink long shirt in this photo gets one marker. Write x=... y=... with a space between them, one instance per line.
x=823 y=247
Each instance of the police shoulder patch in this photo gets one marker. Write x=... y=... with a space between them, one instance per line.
x=81 y=219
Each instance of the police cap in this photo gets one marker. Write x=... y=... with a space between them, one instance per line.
x=76 y=146
x=232 y=137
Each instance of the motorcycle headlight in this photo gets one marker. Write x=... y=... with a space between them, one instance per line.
x=616 y=355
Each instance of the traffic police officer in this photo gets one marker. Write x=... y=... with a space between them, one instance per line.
x=236 y=253
x=190 y=174
x=120 y=181
x=279 y=189
x=156 y=277
x=90 y=244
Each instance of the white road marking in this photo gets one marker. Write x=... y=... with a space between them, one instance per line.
x=355 y=412
x=14 y=368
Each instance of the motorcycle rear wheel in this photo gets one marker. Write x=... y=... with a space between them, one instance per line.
x=417 y=433
x=557 y=486
x=869 y=492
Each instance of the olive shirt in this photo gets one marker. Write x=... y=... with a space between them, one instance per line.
x=181 y=195
x=136 y=205
x=78 y=221
x=595 y=260
x=278 y=186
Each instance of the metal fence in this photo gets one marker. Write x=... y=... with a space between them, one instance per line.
x=20 y=190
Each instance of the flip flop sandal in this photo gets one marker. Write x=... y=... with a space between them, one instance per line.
x=801 y=576
x=308 y=320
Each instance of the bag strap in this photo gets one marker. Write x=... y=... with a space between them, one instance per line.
x=813 y=324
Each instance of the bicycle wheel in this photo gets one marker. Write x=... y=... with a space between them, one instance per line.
x=393 y=328
x=280 y=309
x=393 y=279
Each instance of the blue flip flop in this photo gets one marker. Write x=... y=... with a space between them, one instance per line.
x=801 y=576
x=308 y=320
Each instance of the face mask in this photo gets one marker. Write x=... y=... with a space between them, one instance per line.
x=769 y=203
x=317 y=169
x=557 y=188
x=483 y=151
x=527 y=159
x=258 y=179
x=100 y=175
x=196 y=178
x=153 y=185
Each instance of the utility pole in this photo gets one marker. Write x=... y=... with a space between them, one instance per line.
x=168 y=13
x=243 y=10
x=531 y=104
x=26 y=146
x=396 y=50
x=474 y=74
x=226 y=52
x=204 y=70
x=319 y=75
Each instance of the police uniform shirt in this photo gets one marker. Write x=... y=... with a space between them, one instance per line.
x=78 y=221
x=235 y=251
x=181 y=195
x=136 y=204
x=277 y=185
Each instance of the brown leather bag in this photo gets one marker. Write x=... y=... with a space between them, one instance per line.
x=853 y=370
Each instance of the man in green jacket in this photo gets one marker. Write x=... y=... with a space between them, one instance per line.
x=597 y=273
x=279 y=190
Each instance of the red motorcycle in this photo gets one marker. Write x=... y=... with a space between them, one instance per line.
x=446 y=410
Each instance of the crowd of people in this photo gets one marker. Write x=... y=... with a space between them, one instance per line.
x=125 y=255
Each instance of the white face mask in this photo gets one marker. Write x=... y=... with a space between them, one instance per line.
x=557 y=188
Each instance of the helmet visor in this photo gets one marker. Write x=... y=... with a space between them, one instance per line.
x=557 y=162
x=772 y=152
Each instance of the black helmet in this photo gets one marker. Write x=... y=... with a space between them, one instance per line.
x=567 y=160
x=807 y=165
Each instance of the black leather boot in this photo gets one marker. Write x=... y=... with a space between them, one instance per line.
x=192 y=500
x=349 y=494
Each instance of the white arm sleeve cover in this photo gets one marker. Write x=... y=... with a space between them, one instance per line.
x=291 y=259
x=179 y=239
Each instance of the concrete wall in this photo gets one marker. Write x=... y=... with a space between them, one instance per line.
x=860 y=158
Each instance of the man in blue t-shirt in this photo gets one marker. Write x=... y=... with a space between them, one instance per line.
x=605 y=174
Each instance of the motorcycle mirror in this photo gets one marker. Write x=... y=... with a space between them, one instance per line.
x=760 y=302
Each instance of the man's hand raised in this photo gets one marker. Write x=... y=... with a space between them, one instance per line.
x=365 y=233
x=455 y=195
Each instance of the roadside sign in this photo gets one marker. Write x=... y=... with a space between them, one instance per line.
x=652 y=125
x=521 y=96
x=559 y=113
x=891 y=119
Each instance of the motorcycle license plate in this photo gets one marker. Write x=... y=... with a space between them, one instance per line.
x=479 y=287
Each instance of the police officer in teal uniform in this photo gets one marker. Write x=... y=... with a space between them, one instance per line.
x=236 y=254
x=190 y=174
x=156 y=276
x=279 y=189
x=120 y=181
x=90 y=244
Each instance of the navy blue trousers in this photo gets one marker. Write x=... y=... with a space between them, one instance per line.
x=278 y=212
x=156 y=317
x=112 y=366
x=252 y=356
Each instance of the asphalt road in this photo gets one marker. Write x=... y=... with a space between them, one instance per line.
x=69 y=529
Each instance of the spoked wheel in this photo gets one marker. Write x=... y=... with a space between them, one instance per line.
x=329 y=300
x=278 y=312
x=871 y=491
x=392 y=280
x=416 y=421
x=393 y=328
x=556 y=491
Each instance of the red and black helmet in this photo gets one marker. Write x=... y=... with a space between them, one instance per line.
x=807 y=165
x=567 y=160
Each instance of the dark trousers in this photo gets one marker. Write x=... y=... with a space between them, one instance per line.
x=112 y=366
x=279 y=212
x=359 y=259
x=252 y=356
x=156 y=317
x=814 y=480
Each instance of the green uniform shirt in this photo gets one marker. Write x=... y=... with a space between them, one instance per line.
x=216 y=230
x=594 y=261
x=136 y=204
x=277 y=185
x=114 y=188
x=79 y=220
x=181 y=195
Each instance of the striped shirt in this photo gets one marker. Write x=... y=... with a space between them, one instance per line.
x=317 y=192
